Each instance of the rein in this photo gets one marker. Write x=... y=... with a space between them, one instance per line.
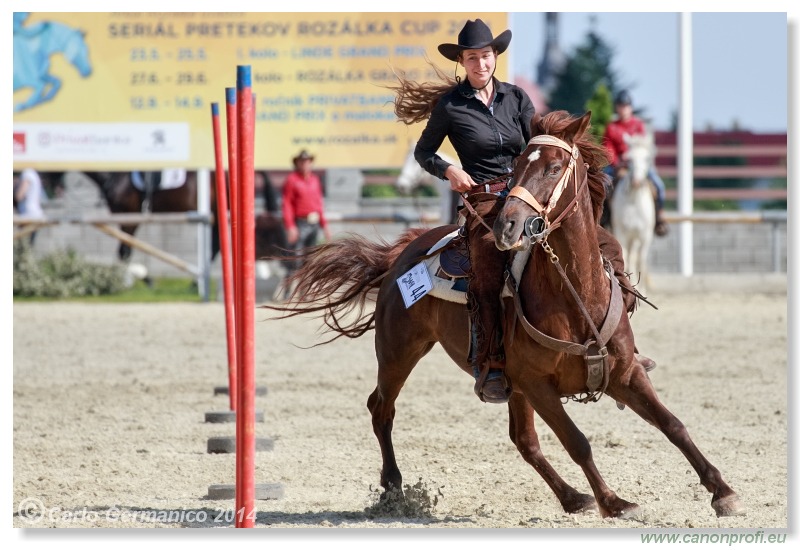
x=489 y=186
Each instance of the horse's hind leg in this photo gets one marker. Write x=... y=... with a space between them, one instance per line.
x=34 y=99
x=638 y=393
x=523 y=434
x=398 y=352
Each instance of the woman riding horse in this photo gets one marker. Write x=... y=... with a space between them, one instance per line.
x=571 y=336
x=488 y=123
x=614 y=138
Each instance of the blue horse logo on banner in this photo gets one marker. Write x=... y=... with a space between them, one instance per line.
x=34 y=45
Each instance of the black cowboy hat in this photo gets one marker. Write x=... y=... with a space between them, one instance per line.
x=303 y=155
x=474 y=36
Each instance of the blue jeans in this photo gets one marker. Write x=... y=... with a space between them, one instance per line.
x=308 y=235
x=656 y=179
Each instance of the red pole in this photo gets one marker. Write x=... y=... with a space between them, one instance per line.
x=245 y=412
x=233 y=184
x=225 y=252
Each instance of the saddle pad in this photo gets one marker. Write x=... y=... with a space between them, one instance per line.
x=172 y=178
x=446 y=289
x=443 y=288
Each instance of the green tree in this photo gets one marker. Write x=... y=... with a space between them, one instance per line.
x=585 y=69
x=601 y=104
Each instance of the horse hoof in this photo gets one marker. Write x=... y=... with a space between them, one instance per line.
x=392 y=494
x=622 y=510
x=729 y=506
x=633 y=511
x=579 y=503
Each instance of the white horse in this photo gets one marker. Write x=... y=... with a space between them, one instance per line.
x=413 y=175
x=633 y=210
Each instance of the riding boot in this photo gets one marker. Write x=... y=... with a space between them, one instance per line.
x=487 y=266
x=661 y=228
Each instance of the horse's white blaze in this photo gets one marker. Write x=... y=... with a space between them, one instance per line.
x=534 y=156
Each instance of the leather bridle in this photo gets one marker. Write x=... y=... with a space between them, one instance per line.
x=520 y=193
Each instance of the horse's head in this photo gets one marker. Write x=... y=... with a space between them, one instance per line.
x=548 y=180
x=639 y=158
x=77 y=52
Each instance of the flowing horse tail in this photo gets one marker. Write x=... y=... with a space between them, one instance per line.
x=336 y=280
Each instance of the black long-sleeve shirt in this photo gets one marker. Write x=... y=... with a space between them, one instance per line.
x=486 y=141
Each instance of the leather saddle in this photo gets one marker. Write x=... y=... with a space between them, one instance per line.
x=454 y=260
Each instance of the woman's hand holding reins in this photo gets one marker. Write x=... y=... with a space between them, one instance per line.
x=459 y=180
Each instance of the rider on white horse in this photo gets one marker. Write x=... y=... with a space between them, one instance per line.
x=627 y=124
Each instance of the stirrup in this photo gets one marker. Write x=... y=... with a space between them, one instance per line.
x=499 y=384
x=501 y=393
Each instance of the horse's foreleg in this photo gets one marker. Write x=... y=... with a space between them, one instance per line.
x=124 y=251
x=638 y=393
x=633 y=262
x=523 y=434
x=54 y=85
x=547 y=403
x=645 y=253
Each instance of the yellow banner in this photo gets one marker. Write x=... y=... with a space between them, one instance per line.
x=134 y=90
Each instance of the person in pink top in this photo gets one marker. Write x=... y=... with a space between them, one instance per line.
x=303 y=206
x=628 y=124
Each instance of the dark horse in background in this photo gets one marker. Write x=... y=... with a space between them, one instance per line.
x=122 y=196
x=559 y=344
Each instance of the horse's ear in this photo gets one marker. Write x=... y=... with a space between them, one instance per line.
x=577 y=128
x=537 y=118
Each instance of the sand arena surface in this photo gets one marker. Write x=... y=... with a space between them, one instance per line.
x=109 y=404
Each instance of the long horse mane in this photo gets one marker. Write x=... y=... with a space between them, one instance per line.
x=592 y=151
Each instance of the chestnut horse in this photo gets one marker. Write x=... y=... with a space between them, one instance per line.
x=554 y=339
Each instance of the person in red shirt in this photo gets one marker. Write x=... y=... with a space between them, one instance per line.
x=303 y=206
x=628 y=124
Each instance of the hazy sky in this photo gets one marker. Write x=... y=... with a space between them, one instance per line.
x=740 y=63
